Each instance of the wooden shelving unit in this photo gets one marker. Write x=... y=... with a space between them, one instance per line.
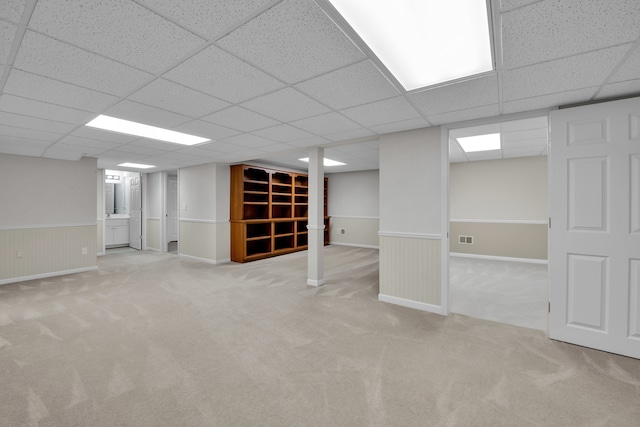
x=269 y=212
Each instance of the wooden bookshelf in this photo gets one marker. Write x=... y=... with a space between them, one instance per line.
x=269 y=212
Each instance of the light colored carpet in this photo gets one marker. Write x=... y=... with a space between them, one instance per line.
x=154 y=340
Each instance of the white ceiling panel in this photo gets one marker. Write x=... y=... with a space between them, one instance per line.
x=554 y=29
x=71 y=150
x=40 y=88
x=615 y=90
x=277 y=147
x=137 y=149
x=7 y=34
x=555 y=99
x=463 y=95
x=153 y=144
x=630 y=69
x=296 y=34
x=346 y=135
x=309 y=142
x=48 y=57
x=99 y=146
x=326 y=124
x=117 y=29
x=357 y=84
x=217 y=73
x=240 y=119
x=29 y=107
x=286 y=105
x=200 y=152
x=589 y=69
x=26 y=122
x=171 y=96
x=103 y=135
x=382 y=112
x=506 y=5
x=400 y=126
x=206 y=17
x=249 y=140
x=134 y=111
x=122 y=157
x=283 y=133
x=462 y=115
x=525 y=124
x=521 y=152
x=12 y=9
x=22 y=147
x=37 y=135
x=206 y=130
x=524 y=135
x=221 y=147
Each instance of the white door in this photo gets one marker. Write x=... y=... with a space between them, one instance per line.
x=594 y=240
x=135 y=223
x=172 y=209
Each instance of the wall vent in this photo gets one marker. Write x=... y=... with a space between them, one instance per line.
x=465 y=240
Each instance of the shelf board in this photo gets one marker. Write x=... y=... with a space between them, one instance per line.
x=256 y=182
x=256 y=192
x=281 y=203
x=253 y=239
x=283 y=235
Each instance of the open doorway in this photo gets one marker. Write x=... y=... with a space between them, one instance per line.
x=171 y=223
x=122 y=206
x=498 y=222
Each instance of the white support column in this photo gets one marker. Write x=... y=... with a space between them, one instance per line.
x=315 y=226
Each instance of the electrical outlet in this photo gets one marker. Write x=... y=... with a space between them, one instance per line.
x=84 y=251
x=342 y=231
x=19 y=254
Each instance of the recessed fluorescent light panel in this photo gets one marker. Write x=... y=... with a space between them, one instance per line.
x=326 y=162
x=475 y=143
x=136 y=165
x=423 y=42
x=138 y=129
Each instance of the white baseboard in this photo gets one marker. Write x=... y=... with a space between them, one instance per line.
x=45 y=275
x=499 y=258
x=208 y=261
x=315 y=282
x=354 y=245
x=412 y=304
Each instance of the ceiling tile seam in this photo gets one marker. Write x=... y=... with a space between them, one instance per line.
x=17 y=41
x=613 y=72
x=33 y=117
x=570 y=56
x=31 y=129
x=497 y=50
x=549 y=94
x=522 y=6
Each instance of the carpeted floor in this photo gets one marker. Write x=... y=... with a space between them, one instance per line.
x=154 y=340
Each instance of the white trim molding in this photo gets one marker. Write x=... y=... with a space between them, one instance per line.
x=412 y=304
x=46 y=275
x=26 y=227
x=206 y=260
x=499 y=258
x=502 y=221
x=204 y=221
x=409 y=235
x=315 y=283
x=354 y=217
x=315 y=227
x=354 y=245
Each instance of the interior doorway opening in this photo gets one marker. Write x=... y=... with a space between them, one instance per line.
x=122 y=210
x=171 y=215
x=498 y=222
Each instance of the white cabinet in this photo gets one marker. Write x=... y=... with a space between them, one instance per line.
x=116 y=232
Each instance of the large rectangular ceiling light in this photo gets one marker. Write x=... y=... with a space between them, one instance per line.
x=471 y=144
x=423 y=42
x=138 y=129
x=325 y=162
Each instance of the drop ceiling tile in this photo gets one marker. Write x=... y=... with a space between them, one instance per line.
x=71 y=150
x=400 y=126
x=217 y=73
x=206 y=130
x=520 y=152
x=103 y=135
x=136 y=112
x=26 y=122
x=485 y=155
x=118 y=29
x=630 y=69
x=539 y=122
x=12 y=10
x=206 y=17
x=222 y=147
x=40 y=88
x=357 y=84
x=382 y=112
x=22 y=147
x=100 y=146
x=28 y=107
x=549 y=101
x=525 y=134
x=249 y=140
x=314 y=141
x=462 y=115
x=38 y=135
x=241 y=156
x=506 y=5
x=562 y=75
x=7 y=34
x=122 y=157
x=153 y=144
x=457 y=96
x=50 y=58
x=286 y=105
x=137 y=149
x=293 y=41
x=326 y=124
x=201 y=153
x=349 y=134
x=240 y=119
x=530 y=144
x=180 y=99
x=277 y=147
x=614 y=90
x=554 y=29
x=283 y=133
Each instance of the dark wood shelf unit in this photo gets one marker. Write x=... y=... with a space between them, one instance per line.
x=269 y=212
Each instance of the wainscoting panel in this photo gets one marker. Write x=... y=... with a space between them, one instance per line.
x=526 y=240
x=204 y=240
x=44 y=251
x=410 y=271
x=153 y=234
x=358 y=231
x=99 y=237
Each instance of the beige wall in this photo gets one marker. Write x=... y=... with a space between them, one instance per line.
x=512 y=240
x=153 y=234
x=205 y=241
x=361 y=232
